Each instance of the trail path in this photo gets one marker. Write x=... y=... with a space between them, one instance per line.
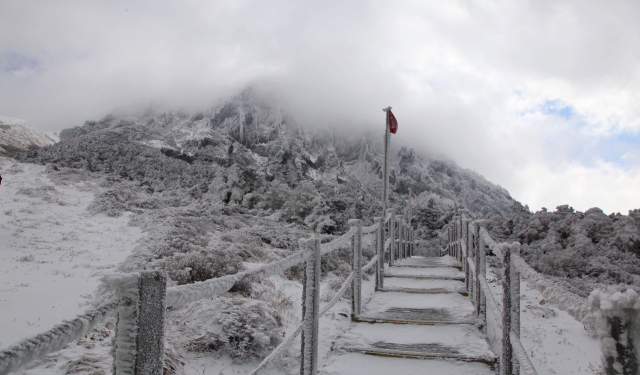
x=422 y=322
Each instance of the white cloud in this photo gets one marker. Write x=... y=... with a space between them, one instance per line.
x=465 y=79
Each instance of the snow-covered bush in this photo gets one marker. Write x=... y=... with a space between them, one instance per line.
x=242 y=328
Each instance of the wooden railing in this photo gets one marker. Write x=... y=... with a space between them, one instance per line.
x=143 y=297
x=613 y=314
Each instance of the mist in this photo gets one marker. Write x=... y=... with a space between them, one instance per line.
x=541 y=97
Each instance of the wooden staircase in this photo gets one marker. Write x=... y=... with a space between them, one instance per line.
x=421 y=322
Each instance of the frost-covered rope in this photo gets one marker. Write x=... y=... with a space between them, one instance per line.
x=336 y=298
x=491 y=302
x=370 y=229
x=183 y=294
x=576 y=306
x=387 y=243
x=338 y=242
x=55 y=339
x=371 y=263
x=526 y=367
x=387 y=218
x=277 y=352
x=472 y=265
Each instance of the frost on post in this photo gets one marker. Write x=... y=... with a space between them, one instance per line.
x=618 y=326
x=138 y=346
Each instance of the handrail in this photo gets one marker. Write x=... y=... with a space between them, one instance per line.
x=277 y=352
x=55 y=339
x=183 y=294
x=371 y=263
x=338 y=242
x=472 y=265
x=525 y=362
x=370 y=229
x=491 y=302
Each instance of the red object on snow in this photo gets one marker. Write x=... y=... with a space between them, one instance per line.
x=393 y=123
x=413 y=196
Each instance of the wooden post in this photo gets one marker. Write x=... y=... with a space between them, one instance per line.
x=139 y=343
x=465 y=265
x=515 y=302
x=482 y=273
x=449 y=241
x=310 y=311
x=476 y=250
x=356 y=265
x=506 y=362
x=380 y=251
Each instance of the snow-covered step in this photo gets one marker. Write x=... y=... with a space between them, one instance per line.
x=463 y=342
x=401 y=284
x=432 y=272
x=406 y=308
x=418 y=261
x=349 y=363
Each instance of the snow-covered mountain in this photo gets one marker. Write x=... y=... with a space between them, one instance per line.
x=251 y=153
x=18 y=136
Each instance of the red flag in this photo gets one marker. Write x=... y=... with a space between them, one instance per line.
x=393 y=123
x=413 y=196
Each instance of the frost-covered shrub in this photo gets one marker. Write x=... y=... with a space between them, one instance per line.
x=242 y=328
x=572 y=244
x=203 y=264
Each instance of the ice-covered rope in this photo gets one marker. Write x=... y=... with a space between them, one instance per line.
x=277 y=352
x=55 y=339
x=336 y=298
x=338 y=242
x=371 y=263
x=472 y=265
x=387 y=243
x=183 y=294
x=370 y=229
x=491 y=302
x=575 y=305
x=526 y=367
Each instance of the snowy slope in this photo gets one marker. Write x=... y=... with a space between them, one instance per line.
x=17 y=136
x=52 y=251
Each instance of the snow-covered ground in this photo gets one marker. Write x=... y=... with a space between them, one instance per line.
x=555 y=341
x=52 y=251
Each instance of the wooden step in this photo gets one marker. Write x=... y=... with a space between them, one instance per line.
x=426 y=266
x=425 y=277
x=364 y=319
x=425 y=291
x=420 y=355
x=353 y=363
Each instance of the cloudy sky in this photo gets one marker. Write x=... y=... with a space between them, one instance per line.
x=541 y=97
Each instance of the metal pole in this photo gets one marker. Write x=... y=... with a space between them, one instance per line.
x=385 y=163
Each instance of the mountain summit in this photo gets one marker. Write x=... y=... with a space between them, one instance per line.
x=18 y=136
x=251 y=154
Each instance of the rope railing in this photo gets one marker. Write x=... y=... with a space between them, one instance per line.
x=614 y=314
x=55 y=339
x=466 y=243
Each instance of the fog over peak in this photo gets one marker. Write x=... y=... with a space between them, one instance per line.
x=541 y=97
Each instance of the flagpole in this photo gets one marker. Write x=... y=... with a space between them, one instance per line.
x=385 y=165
